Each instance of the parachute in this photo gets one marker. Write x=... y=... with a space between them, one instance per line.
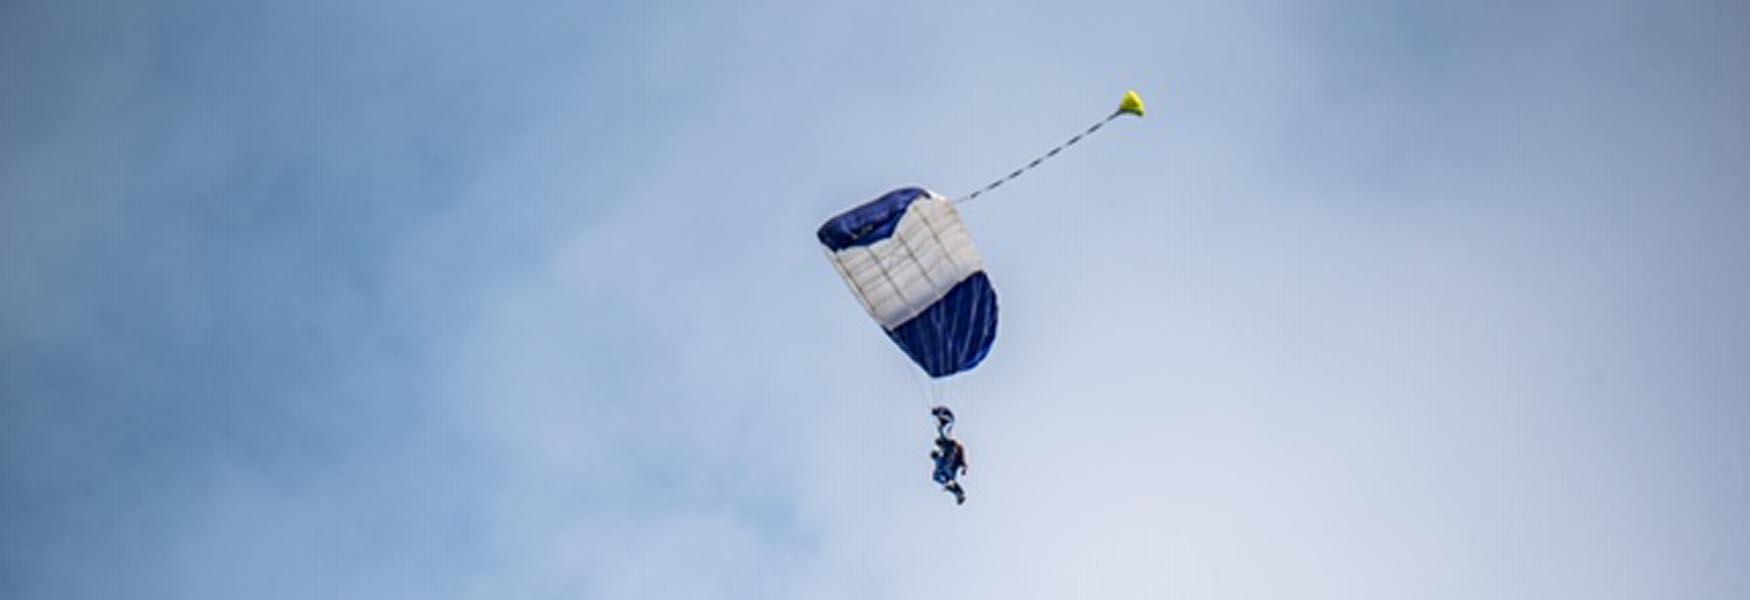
x=909 y=259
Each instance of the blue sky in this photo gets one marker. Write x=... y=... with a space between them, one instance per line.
x=404 y=299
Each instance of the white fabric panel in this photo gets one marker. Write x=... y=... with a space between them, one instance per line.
x=898 y=277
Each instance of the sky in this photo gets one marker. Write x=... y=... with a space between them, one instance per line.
x=442 y=300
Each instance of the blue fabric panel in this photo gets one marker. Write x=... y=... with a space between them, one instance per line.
x=872 y=222
x=955 y=333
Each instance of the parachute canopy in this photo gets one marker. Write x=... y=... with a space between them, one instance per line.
x=909 y=259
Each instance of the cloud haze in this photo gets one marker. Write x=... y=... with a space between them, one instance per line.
x=412 y=300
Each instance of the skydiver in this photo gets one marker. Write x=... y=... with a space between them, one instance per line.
x=950 y=455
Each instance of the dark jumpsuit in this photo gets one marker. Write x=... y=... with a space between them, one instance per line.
x=949 y=455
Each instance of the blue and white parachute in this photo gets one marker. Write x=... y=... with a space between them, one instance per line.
x=909 y=259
